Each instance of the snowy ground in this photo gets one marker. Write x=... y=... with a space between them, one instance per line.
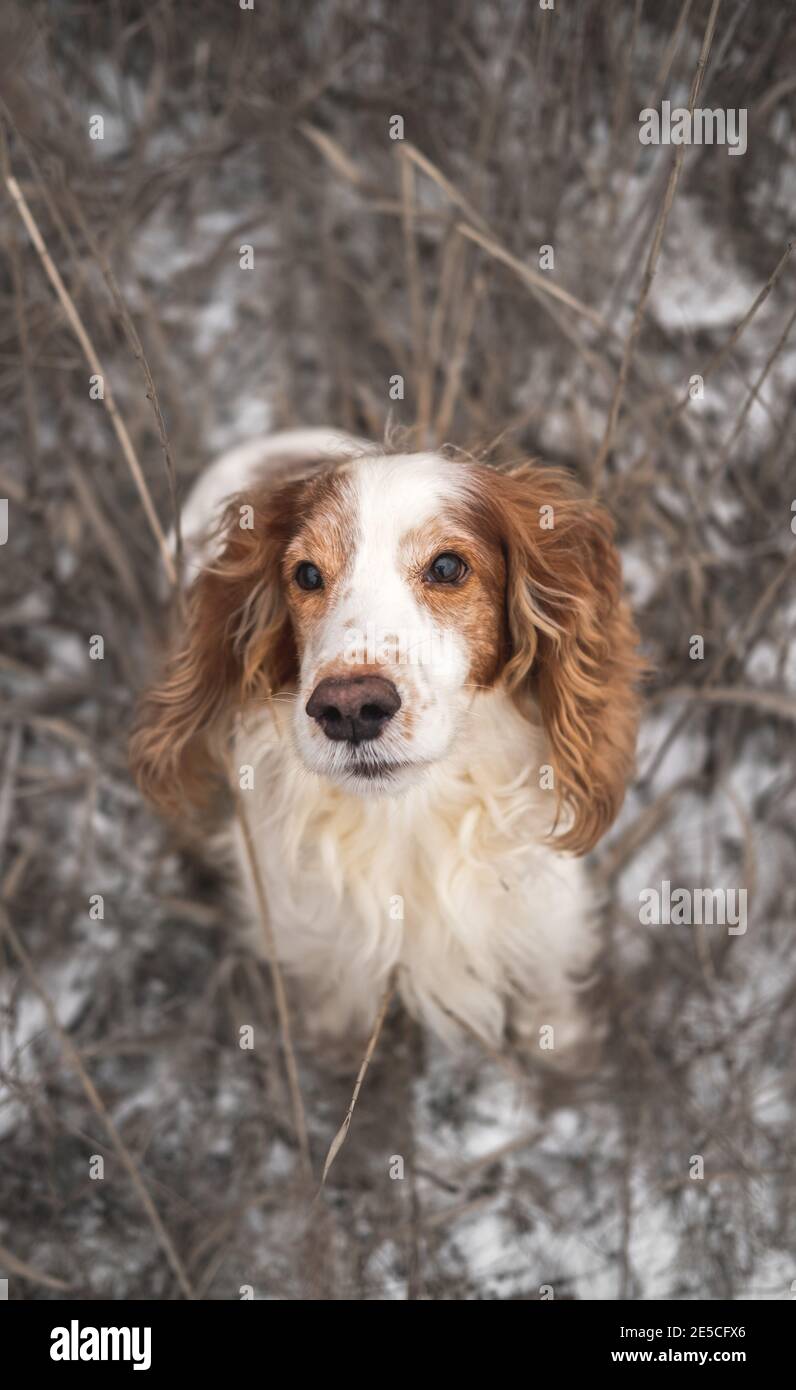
x=230 y=128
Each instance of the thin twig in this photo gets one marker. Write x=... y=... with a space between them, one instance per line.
x=408 y=151
x=90 y=354
x=340 y=1137
x=720 y=355
x=750 y=624
x=422 y=367
x=768 y=701
x=152 y=396
x=76 y=1062
x=652 y=260
x=280 y=993
x=456 y=359
x=532 y=279
x=33 y=1276
x=753 y=395
x=22 y=329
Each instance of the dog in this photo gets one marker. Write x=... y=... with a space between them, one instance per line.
x=423 y=675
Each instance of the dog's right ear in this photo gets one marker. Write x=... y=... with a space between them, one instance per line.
x=236 y=646
x=574 y=645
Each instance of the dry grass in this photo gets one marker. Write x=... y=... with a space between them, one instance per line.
x=375 y=257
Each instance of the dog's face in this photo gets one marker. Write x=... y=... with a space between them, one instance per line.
x=381 y=596
x=397 y=604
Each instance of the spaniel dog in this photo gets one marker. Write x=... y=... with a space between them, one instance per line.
x=422 y=674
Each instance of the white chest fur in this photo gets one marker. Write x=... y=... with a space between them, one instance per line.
x=451 y=882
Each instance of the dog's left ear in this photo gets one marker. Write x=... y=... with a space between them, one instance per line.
x=573 y=643
x=236 y=648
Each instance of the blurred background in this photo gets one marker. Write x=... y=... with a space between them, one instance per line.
x=371 y=257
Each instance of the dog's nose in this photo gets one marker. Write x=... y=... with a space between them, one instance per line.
x=353 y=708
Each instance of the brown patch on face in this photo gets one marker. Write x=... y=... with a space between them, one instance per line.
x=325 y=537
x=474 y=606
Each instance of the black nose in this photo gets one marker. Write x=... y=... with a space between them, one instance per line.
x=353 y=708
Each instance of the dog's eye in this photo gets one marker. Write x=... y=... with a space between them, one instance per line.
x=308 y=576
x=446 y=569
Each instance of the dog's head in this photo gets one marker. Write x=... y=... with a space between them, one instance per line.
x=386 y=593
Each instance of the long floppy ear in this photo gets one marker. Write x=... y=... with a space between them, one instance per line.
x=237 y=646
x=574 y=646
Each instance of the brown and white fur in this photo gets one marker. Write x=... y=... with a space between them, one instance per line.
x=433 y=844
